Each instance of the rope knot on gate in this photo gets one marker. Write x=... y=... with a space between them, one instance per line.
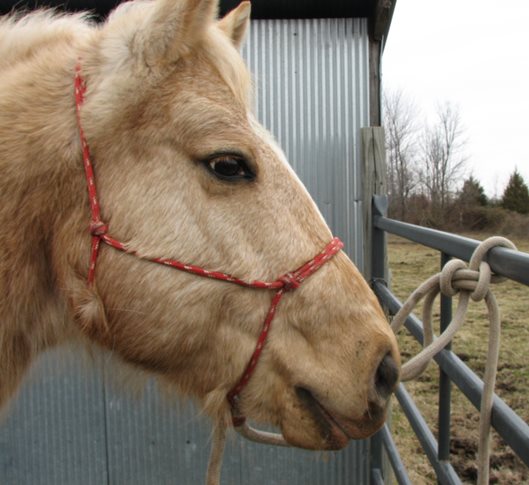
x=475 y=278
x=470 y=282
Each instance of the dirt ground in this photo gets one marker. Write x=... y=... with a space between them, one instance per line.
x=410 y=264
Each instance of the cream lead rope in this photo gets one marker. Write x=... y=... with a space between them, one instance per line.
x=470 y=282
x=219 y=441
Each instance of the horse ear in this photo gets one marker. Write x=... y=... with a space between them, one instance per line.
x=235 y=24
x=172 y=28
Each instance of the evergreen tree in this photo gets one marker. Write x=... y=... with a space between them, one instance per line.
x=516 y=195
x=472 y=193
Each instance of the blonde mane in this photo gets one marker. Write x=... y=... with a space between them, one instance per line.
x=26 y=35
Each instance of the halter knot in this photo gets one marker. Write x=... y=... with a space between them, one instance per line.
x=98 y=228
x=291 y=281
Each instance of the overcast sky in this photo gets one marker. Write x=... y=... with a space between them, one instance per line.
x=475 y=54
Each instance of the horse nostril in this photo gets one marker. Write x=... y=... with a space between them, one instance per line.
x=386 y=376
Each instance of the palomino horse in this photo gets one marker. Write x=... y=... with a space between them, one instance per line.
x=183 y=170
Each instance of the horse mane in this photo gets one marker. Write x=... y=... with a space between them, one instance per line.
x=23 y=34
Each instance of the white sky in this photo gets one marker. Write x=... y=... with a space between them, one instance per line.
x=475 y=54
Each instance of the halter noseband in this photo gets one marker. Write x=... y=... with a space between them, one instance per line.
x=287 y=282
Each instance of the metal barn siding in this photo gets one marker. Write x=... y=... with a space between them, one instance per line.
x=312 y=90
x=70 y=426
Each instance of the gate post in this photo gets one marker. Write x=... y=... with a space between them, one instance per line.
x=374 y=183
x=375 y=255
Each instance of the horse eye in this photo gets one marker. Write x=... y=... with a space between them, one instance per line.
x=230 y=168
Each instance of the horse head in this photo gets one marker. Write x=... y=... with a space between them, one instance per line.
x=184 y=170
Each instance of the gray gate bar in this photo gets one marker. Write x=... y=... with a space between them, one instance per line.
x=444 y=471
x=512 y=264
x=392 y=452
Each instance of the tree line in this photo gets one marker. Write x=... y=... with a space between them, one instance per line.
x=428 y=181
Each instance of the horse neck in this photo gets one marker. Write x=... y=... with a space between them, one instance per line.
x=41 y=187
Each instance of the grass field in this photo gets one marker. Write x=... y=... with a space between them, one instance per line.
x=410 y=264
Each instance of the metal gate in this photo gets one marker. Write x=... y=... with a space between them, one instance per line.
x=452 y=370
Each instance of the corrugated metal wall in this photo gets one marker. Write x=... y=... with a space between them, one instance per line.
x=312 y=94
x=69 y=426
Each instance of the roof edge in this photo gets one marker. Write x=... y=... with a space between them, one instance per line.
x=380 y=20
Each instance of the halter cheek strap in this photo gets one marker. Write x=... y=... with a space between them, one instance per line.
x=288 y=282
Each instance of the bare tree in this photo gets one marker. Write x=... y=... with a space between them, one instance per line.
x=443 y=159
x=400 y=123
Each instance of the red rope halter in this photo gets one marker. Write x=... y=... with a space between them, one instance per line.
x=287 y=282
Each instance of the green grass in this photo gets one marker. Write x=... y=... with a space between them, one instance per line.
x=410 y=264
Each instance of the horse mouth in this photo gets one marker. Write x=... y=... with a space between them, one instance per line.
x=336 y=431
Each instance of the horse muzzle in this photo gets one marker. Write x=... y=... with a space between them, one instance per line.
x=334 y=429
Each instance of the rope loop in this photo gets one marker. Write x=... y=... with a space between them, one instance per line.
x=482 y=286
x=448 y=276
x=492 y=242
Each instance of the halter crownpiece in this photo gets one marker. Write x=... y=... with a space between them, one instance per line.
x=288 y=282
